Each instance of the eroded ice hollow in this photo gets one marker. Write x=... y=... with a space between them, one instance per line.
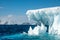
x=49 y=17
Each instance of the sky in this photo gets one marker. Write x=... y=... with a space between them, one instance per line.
x=20 y=7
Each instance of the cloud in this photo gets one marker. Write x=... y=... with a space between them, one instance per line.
x=13 y=19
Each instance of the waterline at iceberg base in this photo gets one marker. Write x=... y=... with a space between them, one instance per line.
x=38 y=33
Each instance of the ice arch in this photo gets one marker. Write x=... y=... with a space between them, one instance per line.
x=44 y=15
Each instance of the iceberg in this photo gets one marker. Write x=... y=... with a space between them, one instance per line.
x=49 y=17
x=30 y=32
x=55 y=29
x=44 y=15
x=37 y=30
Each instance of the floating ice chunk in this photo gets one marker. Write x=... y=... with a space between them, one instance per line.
x=24 y=33
x=42 y=29
x=37 y=30
x=30 y=31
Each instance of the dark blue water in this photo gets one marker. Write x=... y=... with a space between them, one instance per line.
x=8 y=30
x=14 y=29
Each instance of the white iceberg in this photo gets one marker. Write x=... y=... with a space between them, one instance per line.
x=37 y=30
x=47 y=16
x=44 y=15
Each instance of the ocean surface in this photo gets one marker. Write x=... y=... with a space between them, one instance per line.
x=20 y=32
